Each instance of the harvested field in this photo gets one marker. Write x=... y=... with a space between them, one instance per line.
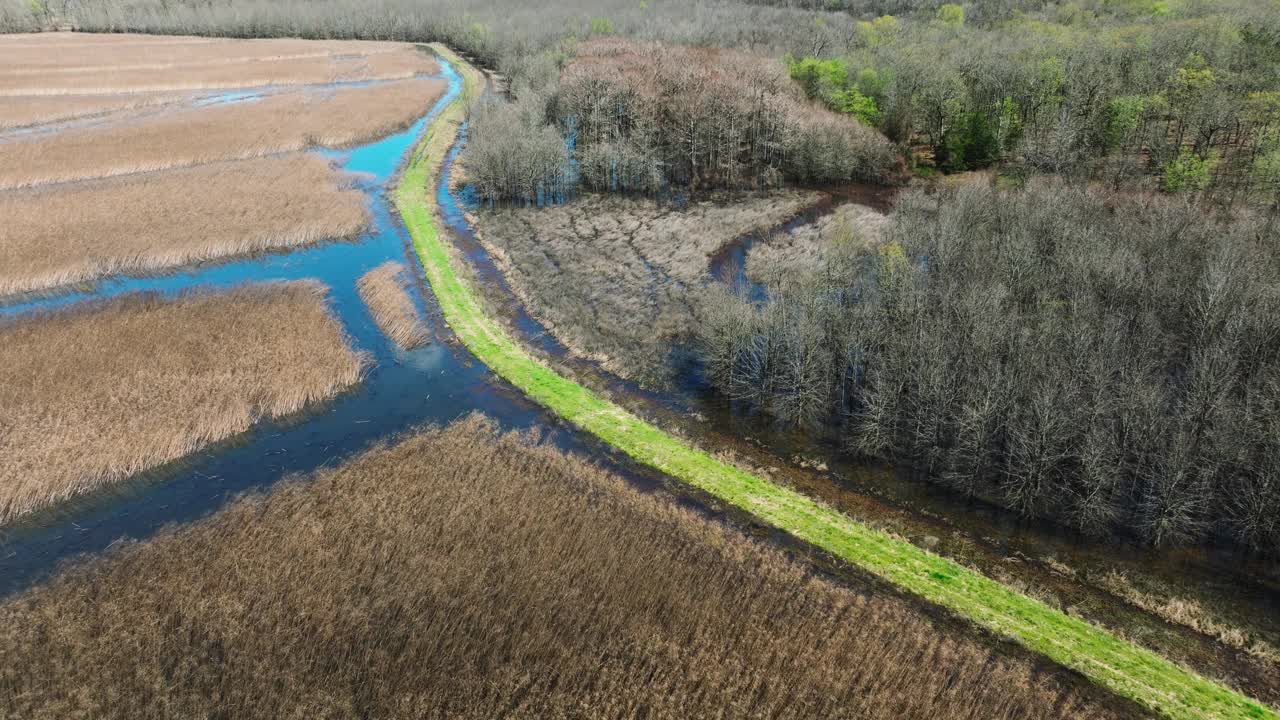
x=250 y=72
x=68 y=234
x=385 y=291
x=510 y=581
x=101 y=391
x=279 y=123
x=610 y=276
x=806 y=246
x=16 y=112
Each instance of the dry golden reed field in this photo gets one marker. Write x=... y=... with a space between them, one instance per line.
x=510 y=581
x=102 y=390
x=64 y=63
x=384 y=290
x=251 y=72
x=58 y=235
x=183 y=137
x=97 y=393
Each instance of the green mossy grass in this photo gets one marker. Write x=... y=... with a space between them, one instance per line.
x=1126 y=669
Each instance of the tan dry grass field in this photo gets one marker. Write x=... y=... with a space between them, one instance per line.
x=61 y=235
x=16 y=112
x=384 y=290
x=98 y=392
x=254 y=72
x=510 y=581
x=279 y=123
x=71 y=40
x=26 y=38
x=76 y=53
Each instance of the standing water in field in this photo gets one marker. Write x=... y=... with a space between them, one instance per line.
x=435 y=383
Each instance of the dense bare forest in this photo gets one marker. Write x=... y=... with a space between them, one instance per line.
x=1109 y=362
x=643 y=117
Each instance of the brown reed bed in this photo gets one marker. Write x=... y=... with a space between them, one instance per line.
x=279 y=123
x=55 y=236
x=104 y=390
x=61 y=39
x=95 y=53
x=466 y=574
x=252 y=72
x=385 y=291
x=25 y=111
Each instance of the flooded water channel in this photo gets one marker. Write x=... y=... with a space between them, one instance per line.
x=436 y=383
x=441 y=381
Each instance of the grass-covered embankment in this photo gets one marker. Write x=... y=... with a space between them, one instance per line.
x=1121 y=666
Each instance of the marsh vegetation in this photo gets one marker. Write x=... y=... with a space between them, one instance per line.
x=782 y=252
x=51 y=109
x=510 y=580
x=150 y=183
x=21 y=80
x=88 y=54
x=1114 y=377
x=612 y=277
x=385 y=290
x=96 y=393
x=55 y=235
x=191 y=136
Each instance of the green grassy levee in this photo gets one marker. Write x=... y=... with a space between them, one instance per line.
x=1121 y=666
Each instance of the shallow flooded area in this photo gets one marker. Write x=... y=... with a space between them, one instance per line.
x=439 y=382
x=402 y=389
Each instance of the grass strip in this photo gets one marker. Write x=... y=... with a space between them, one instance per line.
x=1121 y=666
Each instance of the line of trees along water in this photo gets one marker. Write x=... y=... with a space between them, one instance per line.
x=1108 y=362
